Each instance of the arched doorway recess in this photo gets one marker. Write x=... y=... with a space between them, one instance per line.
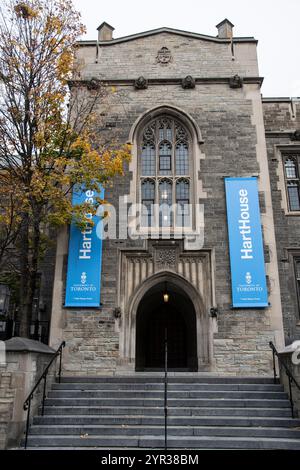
x=174 y=320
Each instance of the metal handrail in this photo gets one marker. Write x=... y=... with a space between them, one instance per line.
x=166 y=389
x=288 y=373
x=27 y=402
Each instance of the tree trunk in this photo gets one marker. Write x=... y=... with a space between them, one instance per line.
x=25 y=306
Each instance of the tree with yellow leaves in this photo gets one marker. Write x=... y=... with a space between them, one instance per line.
x=47 y=143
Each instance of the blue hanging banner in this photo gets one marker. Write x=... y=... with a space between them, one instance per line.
x=85 y=257
x=248 y=278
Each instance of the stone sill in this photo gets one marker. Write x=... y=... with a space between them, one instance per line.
x=292 y=214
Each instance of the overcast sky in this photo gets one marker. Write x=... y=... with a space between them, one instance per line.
x=275 y=23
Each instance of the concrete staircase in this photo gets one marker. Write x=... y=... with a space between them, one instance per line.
x=128 y=412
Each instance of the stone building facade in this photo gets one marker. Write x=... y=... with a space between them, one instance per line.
x=207 y=89
x=282 y=124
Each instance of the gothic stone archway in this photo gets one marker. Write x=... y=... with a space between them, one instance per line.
x=174 y=322
x=160 y=262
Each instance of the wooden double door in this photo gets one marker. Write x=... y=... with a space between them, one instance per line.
x=166 y=325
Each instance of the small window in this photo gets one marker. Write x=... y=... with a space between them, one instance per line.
x=291 y=173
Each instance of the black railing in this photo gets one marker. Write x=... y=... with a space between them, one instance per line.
x=27 y=402
x=289 y=375
x=166 y=389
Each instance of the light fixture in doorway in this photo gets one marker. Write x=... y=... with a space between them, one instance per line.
x=165 y=294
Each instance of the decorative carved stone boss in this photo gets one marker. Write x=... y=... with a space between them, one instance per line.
x=164 y=56
x=165 y=258
x=141 y=83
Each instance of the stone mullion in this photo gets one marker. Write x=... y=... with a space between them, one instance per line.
x=173 y=174
x=180 y=267
x=156 y=145
x=130 y=277
x=151 y=267
x=194 y=271
x=200 y=274
x=198 y=267
x=185 y=269
x=143 y=270
x=136 y=272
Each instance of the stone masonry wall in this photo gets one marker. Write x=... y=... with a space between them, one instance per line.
x=225 y=117
x=282 y=119
x=7 y=391
x=17 y=377
x=199 y=58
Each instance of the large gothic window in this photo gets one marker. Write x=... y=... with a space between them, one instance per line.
x=164 y=172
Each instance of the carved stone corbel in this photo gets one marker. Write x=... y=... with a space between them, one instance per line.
x=141 y=83
x=236 y=81
x=117 y=312
x=296 y=135
x=188 y=82
x=214 y=311
x=93 y=84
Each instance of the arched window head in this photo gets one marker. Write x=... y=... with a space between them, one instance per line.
x=164 y=159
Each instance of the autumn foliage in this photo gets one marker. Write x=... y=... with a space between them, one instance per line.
x=48 y=140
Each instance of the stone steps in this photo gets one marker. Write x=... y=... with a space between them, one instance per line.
x=203 y=413
x=173 y=403
x=172 y=411
x=172 y=386
x=188 y=378
x=133 y=394
x=178 y=442
x=138 y=430
x=247 y=421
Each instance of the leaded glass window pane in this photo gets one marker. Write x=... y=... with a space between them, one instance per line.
x=182 y=190
x=180 y=132
x=148 y=159
x=165 y=129
x=148 y=190
x=165 y=158
x=183 y=203
x=182 y=158
x=148 y=199
x=293 y=193
x=165 y=203
x=290 y=168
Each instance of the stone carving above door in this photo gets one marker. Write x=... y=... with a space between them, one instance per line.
x=137 y=266
x=165 y=258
